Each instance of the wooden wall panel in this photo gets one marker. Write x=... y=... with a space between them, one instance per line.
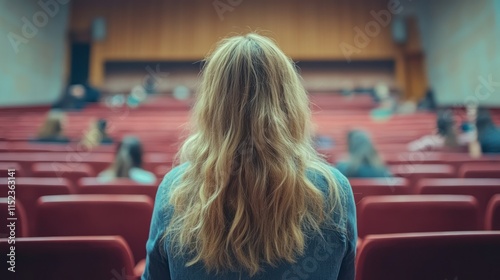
x=188 y=29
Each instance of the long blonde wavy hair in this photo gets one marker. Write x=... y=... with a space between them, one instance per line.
x=245 y=198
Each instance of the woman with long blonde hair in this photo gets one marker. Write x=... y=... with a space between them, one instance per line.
x=251 y=198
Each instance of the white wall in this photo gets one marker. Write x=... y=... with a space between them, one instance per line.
x=32 y=51
x=461 y=39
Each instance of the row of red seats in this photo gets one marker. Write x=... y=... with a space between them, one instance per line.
x=64 y=165
x=128 y=216
x=468 y=255
x=366 y=192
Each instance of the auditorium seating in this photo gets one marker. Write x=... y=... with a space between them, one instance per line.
x=415 y=172
x=416 y=213
x=162 y=170
x=378 y=186
x=63 y=160
x=71 y=172
x=120 y=186
x=18 y=217
x=28 y=190
x=106 y=208
x=75 y=258
x=482 y=189
x=5 y=166
x=417 y=256
x=493 y=213
x=480 y=170
x=72 y=215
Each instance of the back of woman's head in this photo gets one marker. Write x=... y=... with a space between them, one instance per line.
x=128 y=155
x=445 y=125
x=52 y=126
x=244 y=199
x=361 y=151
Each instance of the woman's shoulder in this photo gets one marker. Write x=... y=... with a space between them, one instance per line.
x=171 y=177
x=319 y=180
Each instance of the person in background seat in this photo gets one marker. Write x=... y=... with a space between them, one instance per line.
x=128 y=163
x=364 y=160
x=96 y=135
x=52 y=129
x=487 y=133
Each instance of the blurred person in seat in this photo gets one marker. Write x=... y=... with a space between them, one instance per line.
x=447 y=138
x=52 y=129
x=251 y=198
x=128 y=163
x=77 y=96
x=96 y=135
x=364 y=160
x=488 y=134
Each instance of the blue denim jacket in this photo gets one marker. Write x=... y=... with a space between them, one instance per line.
x=326 y=258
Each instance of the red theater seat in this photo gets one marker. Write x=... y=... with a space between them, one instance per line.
x=162 y=170
x=480 y=170
x=5 y=166
x=493 y=213
x=481 y=189
x=119 y=186
x=418 y=256
x=378 y=186
x=28 y=190
x=416 y=213
x=55 y=169
x=415 y=172
x=75 y=258
x=72 y=215
x=18 y=218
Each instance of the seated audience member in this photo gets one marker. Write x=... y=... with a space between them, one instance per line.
x=52 y=129
x=487 y=133
x=448 y=137
x=251 y=199
x=364 y=160
x=428 y=103
x=77 y=96
x=96 y=135
x=128 y=163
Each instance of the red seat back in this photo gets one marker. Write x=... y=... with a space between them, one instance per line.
x=6 y=166
x=416 y=213
x=415 y=172
x=72 y=215
x=417 y=256
x=118 y=186
x=54 y=169
x=28 y=190
x=378 y=186
x=480 y=170
x=493 y=213
x=76 y=258
x=481 y=189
